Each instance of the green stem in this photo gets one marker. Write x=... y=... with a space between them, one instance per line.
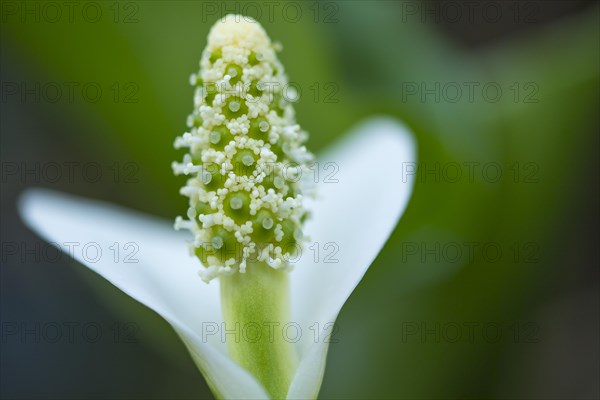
x=256 y=306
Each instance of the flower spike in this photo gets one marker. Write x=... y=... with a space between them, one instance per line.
x=244 y=160
x=245 y=155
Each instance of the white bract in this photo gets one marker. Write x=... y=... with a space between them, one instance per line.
x=352 y=216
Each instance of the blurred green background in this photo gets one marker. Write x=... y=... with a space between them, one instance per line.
x=440 y=314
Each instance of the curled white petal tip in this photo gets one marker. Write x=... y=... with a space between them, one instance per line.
x=367 y=181
x=160 y=274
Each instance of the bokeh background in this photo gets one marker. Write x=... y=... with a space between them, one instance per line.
x=489 y=285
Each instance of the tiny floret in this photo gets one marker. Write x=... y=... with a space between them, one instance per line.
x=245 y=155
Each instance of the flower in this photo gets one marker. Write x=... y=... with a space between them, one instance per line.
x=357 y=207
x=245 y=157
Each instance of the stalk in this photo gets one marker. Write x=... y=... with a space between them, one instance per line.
x=256 y=309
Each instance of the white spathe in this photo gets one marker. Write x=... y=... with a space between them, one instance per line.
x=356 y=209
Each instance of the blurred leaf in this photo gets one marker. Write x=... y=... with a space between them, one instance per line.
x=538 y=141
